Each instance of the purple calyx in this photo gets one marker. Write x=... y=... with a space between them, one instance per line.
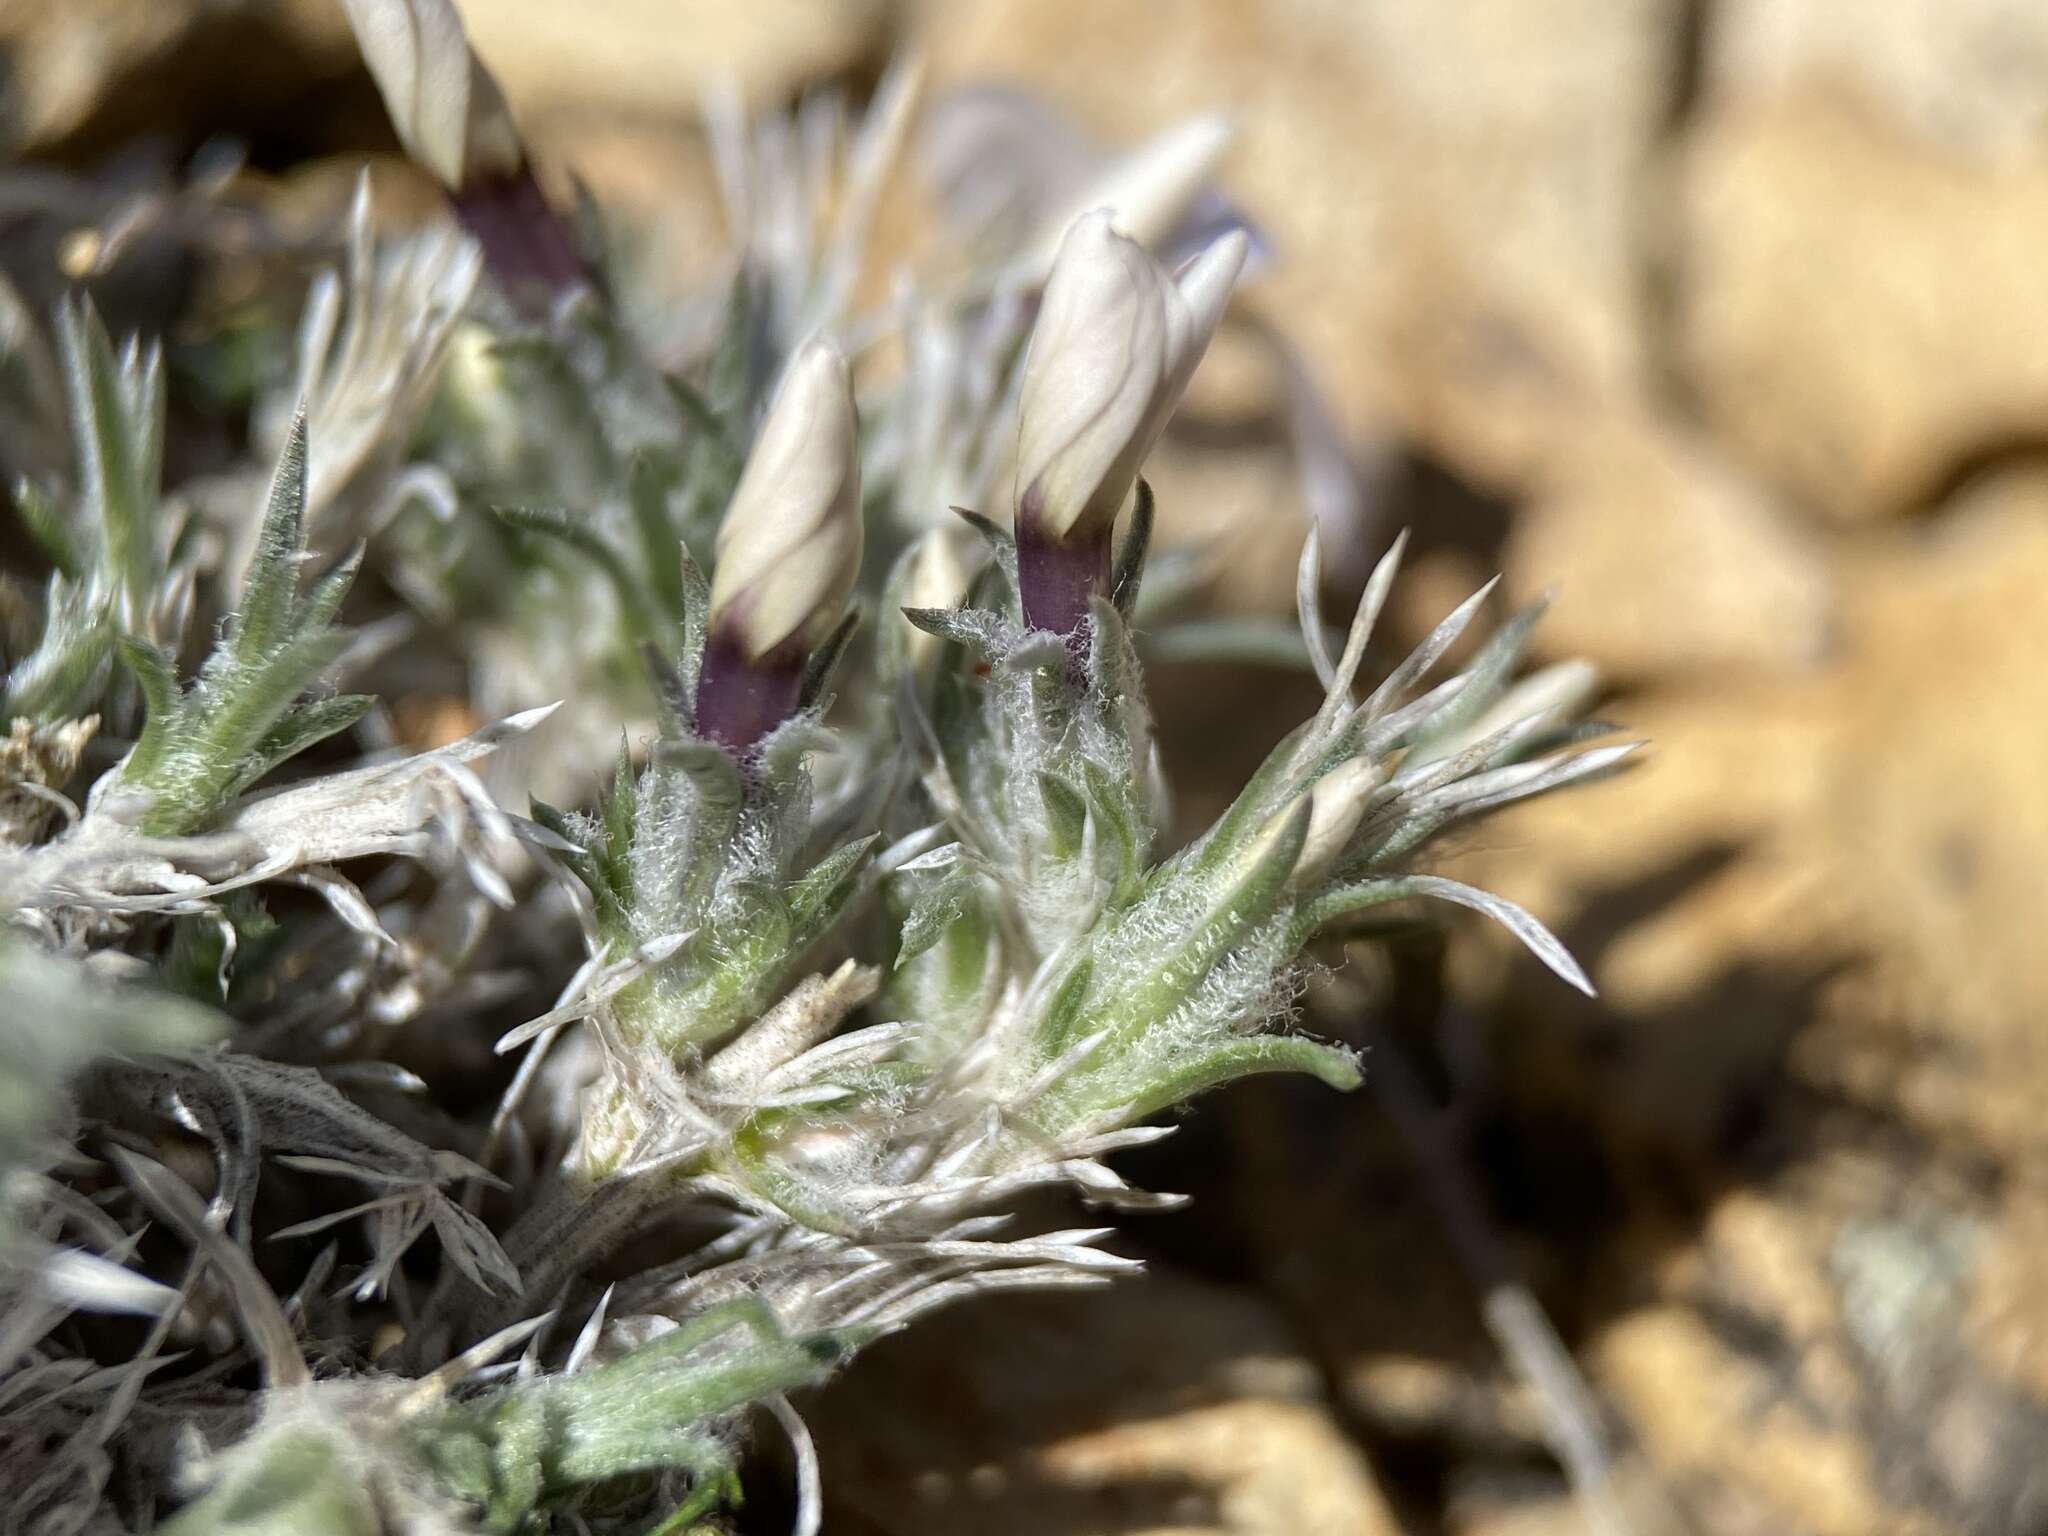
x=741 y=699
x=526 y=243
x=1057 y=579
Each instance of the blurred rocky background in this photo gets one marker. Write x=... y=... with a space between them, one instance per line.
x=1726 y=321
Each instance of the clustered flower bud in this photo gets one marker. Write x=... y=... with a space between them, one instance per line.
x=1337 y=805
x=789 y=551
x=452 y=119
x=1116 y=343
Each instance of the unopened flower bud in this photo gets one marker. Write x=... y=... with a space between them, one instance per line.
x=448 y=111
x=789 y=551
x=1116 y=342
x=1337 y=804
x=452 y=119
x=935 y=576
x=474 y=384
x=1149 y=189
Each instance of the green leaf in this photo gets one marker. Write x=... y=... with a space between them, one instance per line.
x=614 y=852
x=1192 y=1072
x=984 y=633
x=47 y=527
x=732 y=367
x=1001 y=542
x=1235 y=900
x=1066 y=814
x=236 y=707
x=1246 y=642
x=558 y=526
x=1129 y=569
x=143 y=374
x=307 y=726
x=672 y=698
x=1343 y=901
x=712 y=432
x=63 y=673
x=324 y=601
x=710 y=1491
x=650 y=477
x=1539 y=940
x=936 y=909
x=1113 y=666
x=158 y=683
x=712 y=776
x=824 y=661
x=581 y=860
x=113 y=452
x=297 y=1486
x=1069 y=1002
x=1117 y=821
x=654 y=1408
x=270 y=589
x=696 y=611
x=1487 y=675
x=1270 y=786
x=817 y=900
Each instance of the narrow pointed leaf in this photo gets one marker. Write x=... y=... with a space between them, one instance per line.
x=158 y=683
x=1243 y=1056
x=309 y=725
x=1066 y=814
x=1129 y=569
x=1308 y=582
x=46 y=525
x=270 y=589
x=824 y=661
x=1539 y=940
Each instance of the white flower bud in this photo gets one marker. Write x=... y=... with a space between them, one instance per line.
x=790 y=546
x=474 y=384
x=450 y=115
x=936 y=576
x=1116 y=342
x=1149 y=189
x=1337 y=804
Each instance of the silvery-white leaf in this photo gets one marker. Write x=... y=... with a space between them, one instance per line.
x=472 y=1248
x=1540 y=941
x=90 y=1283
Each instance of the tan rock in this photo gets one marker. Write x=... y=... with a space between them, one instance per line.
x=1968 y=75
x=1695 y=887
x=1165 y=1406
x=1939 y=811
x=1665 y=558
x=1526 y=1502
x=1239 y=506
x=655 y=57
x=1492 y=1510
x=1812 y=1366
x=1858 y=312
x=2008 y=1321
x=1723 y=1423
x=1843 y=865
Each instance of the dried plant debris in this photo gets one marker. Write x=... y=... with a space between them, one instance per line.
x=867 y=933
